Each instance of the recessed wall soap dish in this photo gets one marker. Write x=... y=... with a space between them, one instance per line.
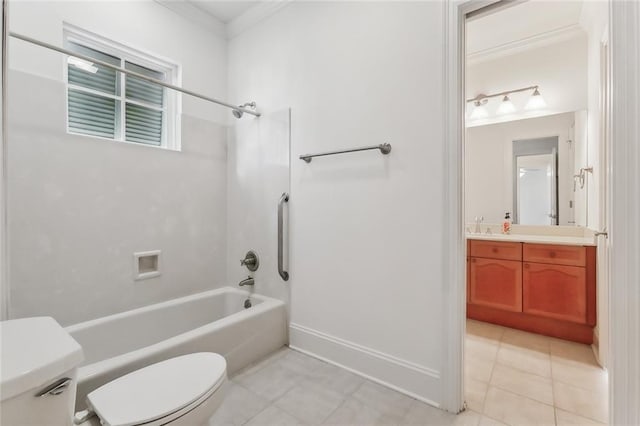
x=146 y=264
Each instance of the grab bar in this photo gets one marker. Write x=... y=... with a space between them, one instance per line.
x=283 y=199
x=384 y=148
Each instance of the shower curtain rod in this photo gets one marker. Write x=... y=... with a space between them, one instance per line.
x=132 y=73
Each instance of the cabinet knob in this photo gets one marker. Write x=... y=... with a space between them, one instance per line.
x=526 y=265
x=552 y=254
x=495 y=249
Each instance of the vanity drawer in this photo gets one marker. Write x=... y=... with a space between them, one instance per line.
x=496 y=250
x=555 y=254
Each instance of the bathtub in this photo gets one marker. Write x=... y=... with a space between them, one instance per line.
x=213 y=321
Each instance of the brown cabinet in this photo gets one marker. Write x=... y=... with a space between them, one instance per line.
x=544 y=288
x=556 y=254
x=496 y=250
x=496 y=283
x=555 y=291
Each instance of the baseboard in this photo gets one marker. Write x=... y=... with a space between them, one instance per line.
x=575 y=332
x=411 y=379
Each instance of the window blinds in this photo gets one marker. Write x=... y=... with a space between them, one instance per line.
x=96 y=100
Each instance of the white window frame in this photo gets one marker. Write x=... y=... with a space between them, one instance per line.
x=171 y=99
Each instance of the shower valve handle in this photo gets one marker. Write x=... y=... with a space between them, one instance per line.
x=251 y=261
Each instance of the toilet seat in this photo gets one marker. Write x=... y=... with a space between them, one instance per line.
x=159 y=393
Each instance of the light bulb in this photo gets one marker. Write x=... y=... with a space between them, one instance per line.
x=536 y=101
x=479 y=111
x=506 y=106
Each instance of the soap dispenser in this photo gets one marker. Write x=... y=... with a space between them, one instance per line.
x=506 y=225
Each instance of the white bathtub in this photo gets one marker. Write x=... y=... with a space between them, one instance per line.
x=213 y=321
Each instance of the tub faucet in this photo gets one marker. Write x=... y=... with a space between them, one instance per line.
x=246 y=281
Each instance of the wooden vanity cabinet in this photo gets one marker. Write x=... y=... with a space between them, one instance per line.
x=555 y=291
x=496 y=283
x=543 y=288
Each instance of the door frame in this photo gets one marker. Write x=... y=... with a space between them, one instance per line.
x=624 y=187
x=624 y=232
x=4 y=264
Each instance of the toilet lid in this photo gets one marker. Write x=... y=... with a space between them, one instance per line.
x=158 y=390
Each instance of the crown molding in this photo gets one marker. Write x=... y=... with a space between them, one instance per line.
x=197 y=15
x=539 y=40
x=254 y=15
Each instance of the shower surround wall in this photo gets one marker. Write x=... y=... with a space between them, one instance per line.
x=258 y=174
x=79 y=207
x=366 y=229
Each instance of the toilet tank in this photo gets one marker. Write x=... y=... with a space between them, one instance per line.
x=39 y=361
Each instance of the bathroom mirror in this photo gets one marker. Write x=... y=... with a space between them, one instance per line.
x=527 y=167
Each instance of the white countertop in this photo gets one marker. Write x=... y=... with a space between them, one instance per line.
x=539 y=239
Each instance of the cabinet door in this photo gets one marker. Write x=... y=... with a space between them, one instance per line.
x=555 y=291
x=496 y=283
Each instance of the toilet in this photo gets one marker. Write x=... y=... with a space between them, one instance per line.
x=38 y=383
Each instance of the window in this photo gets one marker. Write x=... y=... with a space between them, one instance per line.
x=106 y=103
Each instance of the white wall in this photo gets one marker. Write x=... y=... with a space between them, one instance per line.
x=594 y=19
x=489 y=165
x=366 y=235
x=79 y=207
x=580 y=160
x=559 y=69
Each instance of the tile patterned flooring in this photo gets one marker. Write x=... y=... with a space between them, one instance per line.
x=511 y=378
x=520 y=378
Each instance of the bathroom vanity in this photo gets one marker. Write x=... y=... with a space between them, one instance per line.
x=541 y=284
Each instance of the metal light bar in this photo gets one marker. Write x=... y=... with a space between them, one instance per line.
x=384 y=148
x=133 y=73
x=506 y=92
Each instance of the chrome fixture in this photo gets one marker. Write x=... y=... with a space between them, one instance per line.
x=246 y=281
x=478 y=220
x=238 y=112
x=581 y=177
x=284 y=198
x=241 y=109
x=604 y=232
x=482 y=96
x=384 y=148
x=251 y=261
x=56 y=388
x=536 y=101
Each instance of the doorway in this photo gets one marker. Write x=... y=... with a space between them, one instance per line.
x=531 y=319
x=535 y=198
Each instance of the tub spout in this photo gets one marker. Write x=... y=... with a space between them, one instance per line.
x=247 y=281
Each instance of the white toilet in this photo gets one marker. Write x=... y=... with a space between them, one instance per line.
x=39 y=361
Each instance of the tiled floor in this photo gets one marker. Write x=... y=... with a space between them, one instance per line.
x=290 y=388
x=511 y=377
x=520 y=378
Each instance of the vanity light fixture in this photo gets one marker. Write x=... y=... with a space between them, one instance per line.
x=506 y=106
x=536 y=101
